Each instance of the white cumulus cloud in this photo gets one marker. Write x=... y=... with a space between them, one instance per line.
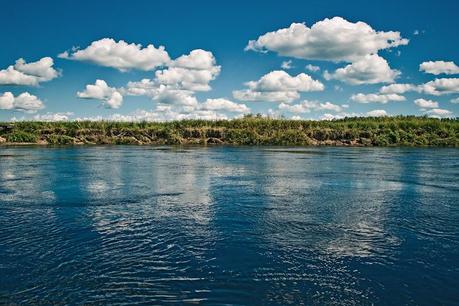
x=377 y=98
x=439 y=67
x=334 y=39
x=224 y=104
x=278 y=86
x=178 y=83
x=166 y=95
x=121 y=55
x=190 y=72
x=160 y=114
x=308 y=106
x=24 y=102
x=267 y=96
x=51 y=117
x=439 y=87
x=398 y=88
x=439 y=113
x=29 y=74
x=377 y=113
x=109 y=96
x=371 y=69
x=423 y=103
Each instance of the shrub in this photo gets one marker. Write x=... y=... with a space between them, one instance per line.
x=21 y=136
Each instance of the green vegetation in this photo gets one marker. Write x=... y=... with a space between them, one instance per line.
x=250 y=130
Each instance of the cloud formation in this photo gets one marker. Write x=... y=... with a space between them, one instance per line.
x=440 y=87
x=423 y=103
x=25 y=102
x=110 y=97
x=377 y=113
x=308 y=106
x=29 y=74
x=377 y=98
x=120 y=55
x=287 y=64
x=51 y=117
x=178 y=83
x=312 y=68
x=398 y=88
x=334 y=39
x=193 y=71
x=436 y=87
x=439 y=113
x=439 y=67
x=371 y=69
x=161 y=113
x=373 y=113
x=224 y=104
x=278 y=86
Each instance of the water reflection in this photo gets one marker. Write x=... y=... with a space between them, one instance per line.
x=228 y=225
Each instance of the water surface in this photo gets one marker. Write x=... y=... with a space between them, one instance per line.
x=228 y=225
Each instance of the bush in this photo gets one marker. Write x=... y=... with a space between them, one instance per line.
x=60 y=139
x=21 y=137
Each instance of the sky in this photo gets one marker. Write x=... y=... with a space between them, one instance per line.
x=172 y=60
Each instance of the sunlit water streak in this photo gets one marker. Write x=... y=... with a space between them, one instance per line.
x=247 y=225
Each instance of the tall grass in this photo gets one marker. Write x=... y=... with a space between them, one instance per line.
x=250 y=130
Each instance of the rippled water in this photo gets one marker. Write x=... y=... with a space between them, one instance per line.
x=229 y=225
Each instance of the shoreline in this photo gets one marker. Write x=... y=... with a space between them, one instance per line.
x=400 y=131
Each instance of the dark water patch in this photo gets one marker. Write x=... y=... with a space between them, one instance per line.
x=229 y=225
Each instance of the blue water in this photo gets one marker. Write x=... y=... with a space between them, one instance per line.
x=227 y=225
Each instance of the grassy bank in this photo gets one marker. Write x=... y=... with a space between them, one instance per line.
x=385 y=131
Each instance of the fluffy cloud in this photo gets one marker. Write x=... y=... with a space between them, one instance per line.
x=268 y=96
x=281 y=81
x=373 y=113
x=439 y=67
x=178 y=83
x=53 y=117
x=312 y=68
x=422 y=103
x=278 y=86
x=287 y=64
x=376 y=98
x=439 y=113
x=308 y=106
x=197 y=59
x=29 y=74
x=223 y=104
x=439 y=87
x=377 y=113
x=121 y=55
x=144 y=87
x=329 y=117
x=371 y=69
x=161 y=113
x=160 y=93
x=25 y=102
x=436 y=87
x=398 y=88
x=166 y=95
x=190 y=72
x=333 y=39
x=109 y=96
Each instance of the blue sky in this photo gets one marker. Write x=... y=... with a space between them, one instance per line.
x=348 y=64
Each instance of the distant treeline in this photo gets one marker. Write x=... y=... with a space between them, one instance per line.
x=250 y=130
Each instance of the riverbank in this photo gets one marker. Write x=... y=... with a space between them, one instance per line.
x=383 y=131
